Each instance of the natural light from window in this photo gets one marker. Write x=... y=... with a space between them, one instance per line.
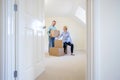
x=38 y=26
x=81 y=14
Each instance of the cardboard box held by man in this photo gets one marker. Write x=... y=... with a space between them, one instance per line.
x=58 y=49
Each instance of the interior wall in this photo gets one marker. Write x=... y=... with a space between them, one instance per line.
x=77 y=30
x=108 y=42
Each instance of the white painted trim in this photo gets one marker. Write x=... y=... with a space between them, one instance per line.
x=4 y=39
x=90 y=47
x=2 y=49
x=96 y=39
x=7 y=55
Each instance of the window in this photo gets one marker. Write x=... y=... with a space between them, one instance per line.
x=81 y=14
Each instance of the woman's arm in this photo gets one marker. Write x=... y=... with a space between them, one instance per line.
x=60 y=35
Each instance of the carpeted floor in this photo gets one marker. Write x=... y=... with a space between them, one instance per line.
x=65 y=67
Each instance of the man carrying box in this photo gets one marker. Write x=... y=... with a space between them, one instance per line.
x=51 y=31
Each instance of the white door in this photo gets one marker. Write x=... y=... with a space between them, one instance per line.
x=30 y=39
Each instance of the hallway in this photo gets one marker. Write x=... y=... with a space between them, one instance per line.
x=65 y=67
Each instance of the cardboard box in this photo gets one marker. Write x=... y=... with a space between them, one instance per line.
x=58 y=44
x=56 y=51
x=54 y=33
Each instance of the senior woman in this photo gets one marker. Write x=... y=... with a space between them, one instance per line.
x=66 y=38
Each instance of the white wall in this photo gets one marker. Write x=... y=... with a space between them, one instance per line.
x=108 y=27
x=77 y=30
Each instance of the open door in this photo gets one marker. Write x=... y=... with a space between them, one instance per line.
x=29 y=39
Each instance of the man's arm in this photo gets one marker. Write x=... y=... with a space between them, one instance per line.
x=48 y=32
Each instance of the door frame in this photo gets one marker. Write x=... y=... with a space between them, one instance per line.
x=90 y=47
x=90 y=41
x=7 y=58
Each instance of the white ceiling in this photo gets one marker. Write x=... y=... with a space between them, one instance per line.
x=62 y=7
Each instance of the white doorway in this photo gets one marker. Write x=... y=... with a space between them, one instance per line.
x=22 y=47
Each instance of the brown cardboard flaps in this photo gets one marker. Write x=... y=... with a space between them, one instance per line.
x=54 y=33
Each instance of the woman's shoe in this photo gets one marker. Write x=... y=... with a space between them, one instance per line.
x=73 y=54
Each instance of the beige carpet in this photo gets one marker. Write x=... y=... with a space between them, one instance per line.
x=65 y=67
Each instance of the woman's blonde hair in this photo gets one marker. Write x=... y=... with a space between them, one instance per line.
x=65 y=27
